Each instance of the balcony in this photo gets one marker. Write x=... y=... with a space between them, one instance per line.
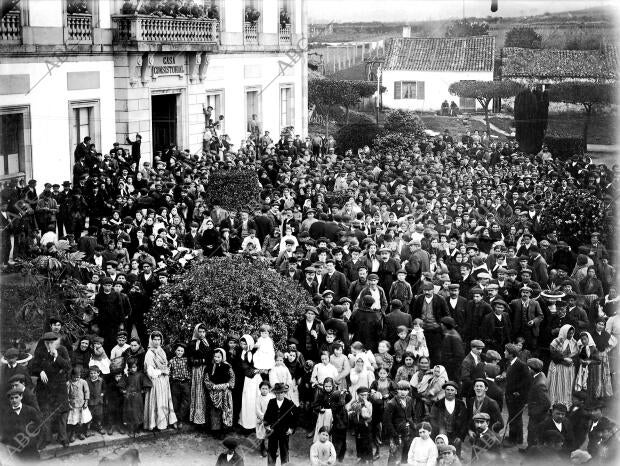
x=79 y=28
x=250 y=33
x=284 y=36
x=149 y=32
x=11 y=28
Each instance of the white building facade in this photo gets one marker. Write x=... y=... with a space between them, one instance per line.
x=109 y=75
x=417 y=72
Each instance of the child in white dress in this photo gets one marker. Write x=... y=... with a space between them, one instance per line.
x=264 y=355
x=281 y=374
x=262 y=399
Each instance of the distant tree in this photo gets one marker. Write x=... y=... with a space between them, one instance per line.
x=531 y=110
x=403 y=121
x=465 y=28
x=356 y=135
x=587 y=94
x=524 y=37
x=395 y=143
x=584 y=43
x=484 y=92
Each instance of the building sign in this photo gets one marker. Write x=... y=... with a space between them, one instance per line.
x=168 y=65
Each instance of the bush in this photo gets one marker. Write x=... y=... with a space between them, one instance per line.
x=575 y=214
x=564 y=147
x=394 y=143
x=229 y=294
x=524 y=37
x=356 y=135
x=232 y=189
x=403 y=121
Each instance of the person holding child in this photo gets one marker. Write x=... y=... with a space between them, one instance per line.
x=158 y=406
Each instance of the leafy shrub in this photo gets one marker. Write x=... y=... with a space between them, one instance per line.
x=392 y=143
x=229 y=294
x=232 y=189
x=523 y=37
x=575 y=214
x=403 y=121
x=356 y=135
x=563 y=146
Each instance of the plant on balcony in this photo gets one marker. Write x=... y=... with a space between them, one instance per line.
x=285 y=18
x=128 y=8
x=77 y=7
x=251 y=15
x=213 y=12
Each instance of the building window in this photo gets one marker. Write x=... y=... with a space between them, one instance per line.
x=15 y=145
x=287 y=106
x=467 y=103
x=253 y=107
x=409 y=90
x=215 y=99
x=84 y=121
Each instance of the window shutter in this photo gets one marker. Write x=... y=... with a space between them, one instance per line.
x=397 y=86
x=420 y=90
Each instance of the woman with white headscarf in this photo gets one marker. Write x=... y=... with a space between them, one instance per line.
x=587 y=379
x=219 y=380
x=561 y=374
x=247 y=417
x=158 y=407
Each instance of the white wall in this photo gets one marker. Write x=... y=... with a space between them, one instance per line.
x=49 y=112
x=435 y=87
x=45 y=13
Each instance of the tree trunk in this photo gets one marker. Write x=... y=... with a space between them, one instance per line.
x=486 y=118
x=329 y=109
x=346 y=114
x=585 y=127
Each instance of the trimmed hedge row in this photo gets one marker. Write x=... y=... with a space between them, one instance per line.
x=564 y=147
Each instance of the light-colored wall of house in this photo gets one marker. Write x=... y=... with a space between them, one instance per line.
x=45 y=13
x=436 y=85
x=49 y=111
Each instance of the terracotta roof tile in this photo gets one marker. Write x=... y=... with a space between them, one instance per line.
x=440 y=54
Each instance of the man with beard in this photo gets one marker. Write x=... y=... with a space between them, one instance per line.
x=486 y=446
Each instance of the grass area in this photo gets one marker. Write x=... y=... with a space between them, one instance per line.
x=602 y=128
x=455 y=125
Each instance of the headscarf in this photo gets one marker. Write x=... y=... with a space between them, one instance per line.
x=589 y=345
x=250 y=342
x=562 y=342
x=155 y=333
x=215 y=366
x=196 y=337
x=444 y=437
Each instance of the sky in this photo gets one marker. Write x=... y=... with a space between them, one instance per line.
x=418 y=10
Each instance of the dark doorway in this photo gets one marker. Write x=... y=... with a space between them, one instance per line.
x=164 y=116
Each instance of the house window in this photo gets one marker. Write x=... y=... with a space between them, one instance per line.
x=215 y=99
x=409 y=90
x=15 y=145
x=287 y=106
x=253 y=107
x=467 y=103
x=84 y=121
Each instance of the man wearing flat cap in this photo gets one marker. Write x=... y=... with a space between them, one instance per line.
x=496 y=328
x=280 y=422
x=431 y=308
x=399 y=423
x=518 y=383
x=449 y=416
x=20 y=426
x=11 y=368
x=53 y=366
x=527 y=316
x=538 y=401
x=365 y=324
x=452 y=348
x=395 y=318
x=111 y=313
x=231 y=457
x=310 y=333
x=556 y=421
x=486 y=446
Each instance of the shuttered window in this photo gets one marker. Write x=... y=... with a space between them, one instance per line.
x=409 y=90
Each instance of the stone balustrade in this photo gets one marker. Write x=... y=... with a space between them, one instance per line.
x=79 y=28
x=11 y=28
x=250 y=33
x=142 y=28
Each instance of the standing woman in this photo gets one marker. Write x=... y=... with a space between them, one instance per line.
x=604 y=344
x=199 y=355
x=561 y=372
x=158 y=407
x=219 y=380
x=587 y=378
x=247 y=417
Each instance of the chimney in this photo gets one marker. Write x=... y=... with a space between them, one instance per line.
x=406 y=32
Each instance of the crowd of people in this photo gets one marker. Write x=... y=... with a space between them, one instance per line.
x=438 y=299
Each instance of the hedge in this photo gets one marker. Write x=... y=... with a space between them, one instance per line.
x=564 y=147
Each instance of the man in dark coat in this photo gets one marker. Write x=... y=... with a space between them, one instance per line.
x=52 y=365
x=452 y=349
x=556 y=421
x=395 y=318
x=482 y=403
x=475 y=310
x=538 y=401
x=431 y=308
x=365 y=324
x=472 y=368
x=310 y=333
x=338 y=324
x=399 y=424
x=526 y=318
x=280 y=422
x=111 y=313
x=20 y=427
x=334 y=280
x=496 y=326
x=486 y=446
x=449 y=416
x=518 y=383
x=456 y=306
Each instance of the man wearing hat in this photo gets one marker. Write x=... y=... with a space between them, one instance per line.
x=360 y=415
x=280 y=421
x=555 y=421
x=471 y=367
x=538 y=401
x=449 y=416
x=430 y=307
x=481 y=402
x=20 y=427
x=52 y=365
x=111 y=313
x=399 y=420
x=401 y=290
x=310 y=333
x=373 y=289
x=309 y=282
x=452 y=348
x=11 y=369
x=333 y=280
x=365 y=324
x=475 y=310
x=527 y=316
x=231 y=457
x=486 y=447
x=395 y=318
x=496 y=328
x=447 y=456
x=518 y=383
